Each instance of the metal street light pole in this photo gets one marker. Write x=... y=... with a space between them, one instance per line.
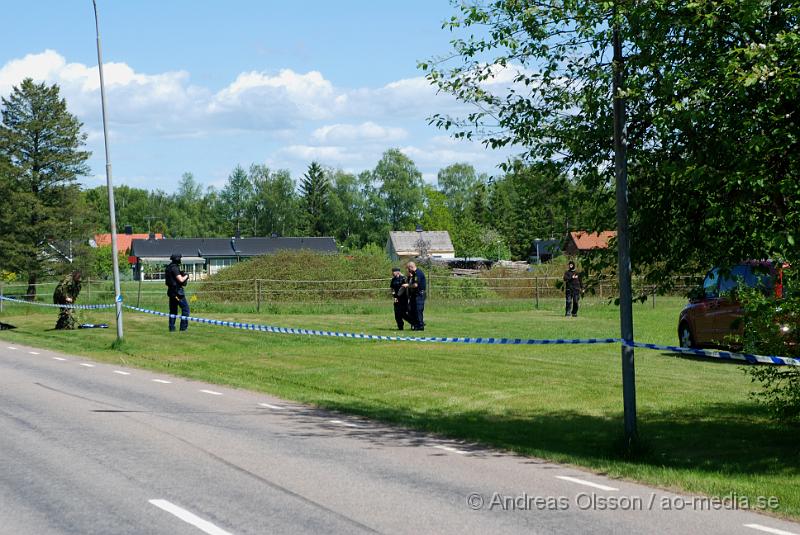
x=111 y=210
x=623 y=245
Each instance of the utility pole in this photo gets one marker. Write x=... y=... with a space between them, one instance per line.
x=623 y=244
x=110 y=187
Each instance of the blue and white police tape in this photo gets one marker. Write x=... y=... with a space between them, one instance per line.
x=723 y=355
x=334 y=334
x=24 y=302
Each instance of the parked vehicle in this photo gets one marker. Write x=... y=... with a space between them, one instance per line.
x=713 y=317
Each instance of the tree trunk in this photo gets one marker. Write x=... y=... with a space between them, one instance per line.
x=30 y=294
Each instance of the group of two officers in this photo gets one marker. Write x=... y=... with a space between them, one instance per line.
x=408 y=293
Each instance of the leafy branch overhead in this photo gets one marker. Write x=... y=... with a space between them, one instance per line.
x=712 y=93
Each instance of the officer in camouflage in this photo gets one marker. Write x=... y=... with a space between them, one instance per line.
x=66 y=293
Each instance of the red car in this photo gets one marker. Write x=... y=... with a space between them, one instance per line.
x=713 y=319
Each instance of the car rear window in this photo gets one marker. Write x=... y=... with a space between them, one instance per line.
x=750 y=276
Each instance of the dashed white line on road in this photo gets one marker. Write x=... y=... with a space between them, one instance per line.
x=452 y=450
x=267 y=405
x=121 y=372
x=190 y=518
x=33 y=352
x=587 y=483
x=346 y=424
x=11 y=347
x=211 y=392
x=768 y=529
x=162 y=381
x=58 y=358
x=87 y=364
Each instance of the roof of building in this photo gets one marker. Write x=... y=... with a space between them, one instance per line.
x=123 y=240
x=586 y=241
x=228 y=247
x=406 y=241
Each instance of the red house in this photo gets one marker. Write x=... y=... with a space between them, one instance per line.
x=580 y=241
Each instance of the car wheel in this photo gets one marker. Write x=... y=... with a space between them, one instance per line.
x=685 y=336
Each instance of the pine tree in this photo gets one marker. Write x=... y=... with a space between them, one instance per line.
x=40 y=144
x=314 y=192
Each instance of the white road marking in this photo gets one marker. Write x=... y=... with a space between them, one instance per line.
x=87 y=364
x=33 y=352
x=267 y=405
x=211 y=392
x=58 y=358
x=452 y=450
x=768 y=530
x=11 y=347
x=121 y=372
x=190 y=518
x=162 y=381
x=346 y=424
x=587 y=483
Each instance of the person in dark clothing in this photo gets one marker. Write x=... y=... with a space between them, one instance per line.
x=417 y=286
x=66 y=293
x=400 y=296
x=176 y=280
x=573 y=286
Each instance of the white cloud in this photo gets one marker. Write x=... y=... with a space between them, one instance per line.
x=38 y=66
x=364 y=132
x=288 y=94
x=285 y=117
x=326 y=154
x=168 y=103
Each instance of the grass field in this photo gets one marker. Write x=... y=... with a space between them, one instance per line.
x=701 y=433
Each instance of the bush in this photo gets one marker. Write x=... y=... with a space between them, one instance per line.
x=763 y=320
x=301 y=276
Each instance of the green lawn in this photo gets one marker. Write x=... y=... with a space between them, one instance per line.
x=701 y=433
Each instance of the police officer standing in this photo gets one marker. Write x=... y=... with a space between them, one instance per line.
x=400 y=296
x=573 y=286
x=175 y=279
x=66 y=293
x=417 y=286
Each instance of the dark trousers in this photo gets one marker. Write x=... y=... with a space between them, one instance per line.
x=401 y=313
x=416 y=312
x=174 y=302
x=65 y=319
x=573 y=297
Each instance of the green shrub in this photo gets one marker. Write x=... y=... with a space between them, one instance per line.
x=300 y=276
x=764 y=321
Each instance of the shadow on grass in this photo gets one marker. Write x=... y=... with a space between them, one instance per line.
x=731 y=439
x=710 y=360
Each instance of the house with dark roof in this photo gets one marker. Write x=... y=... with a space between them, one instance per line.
x=579 y=242
x=412 y=244
x=205 y=256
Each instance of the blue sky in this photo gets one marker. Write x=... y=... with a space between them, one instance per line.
x=202 y=86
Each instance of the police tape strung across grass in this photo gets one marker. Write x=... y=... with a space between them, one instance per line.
x=336 y=334
x=749 y=358
x=725 y=355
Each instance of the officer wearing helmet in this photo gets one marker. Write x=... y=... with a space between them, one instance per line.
x=176 y=280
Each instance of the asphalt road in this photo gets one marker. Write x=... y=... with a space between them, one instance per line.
x=91 y=448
